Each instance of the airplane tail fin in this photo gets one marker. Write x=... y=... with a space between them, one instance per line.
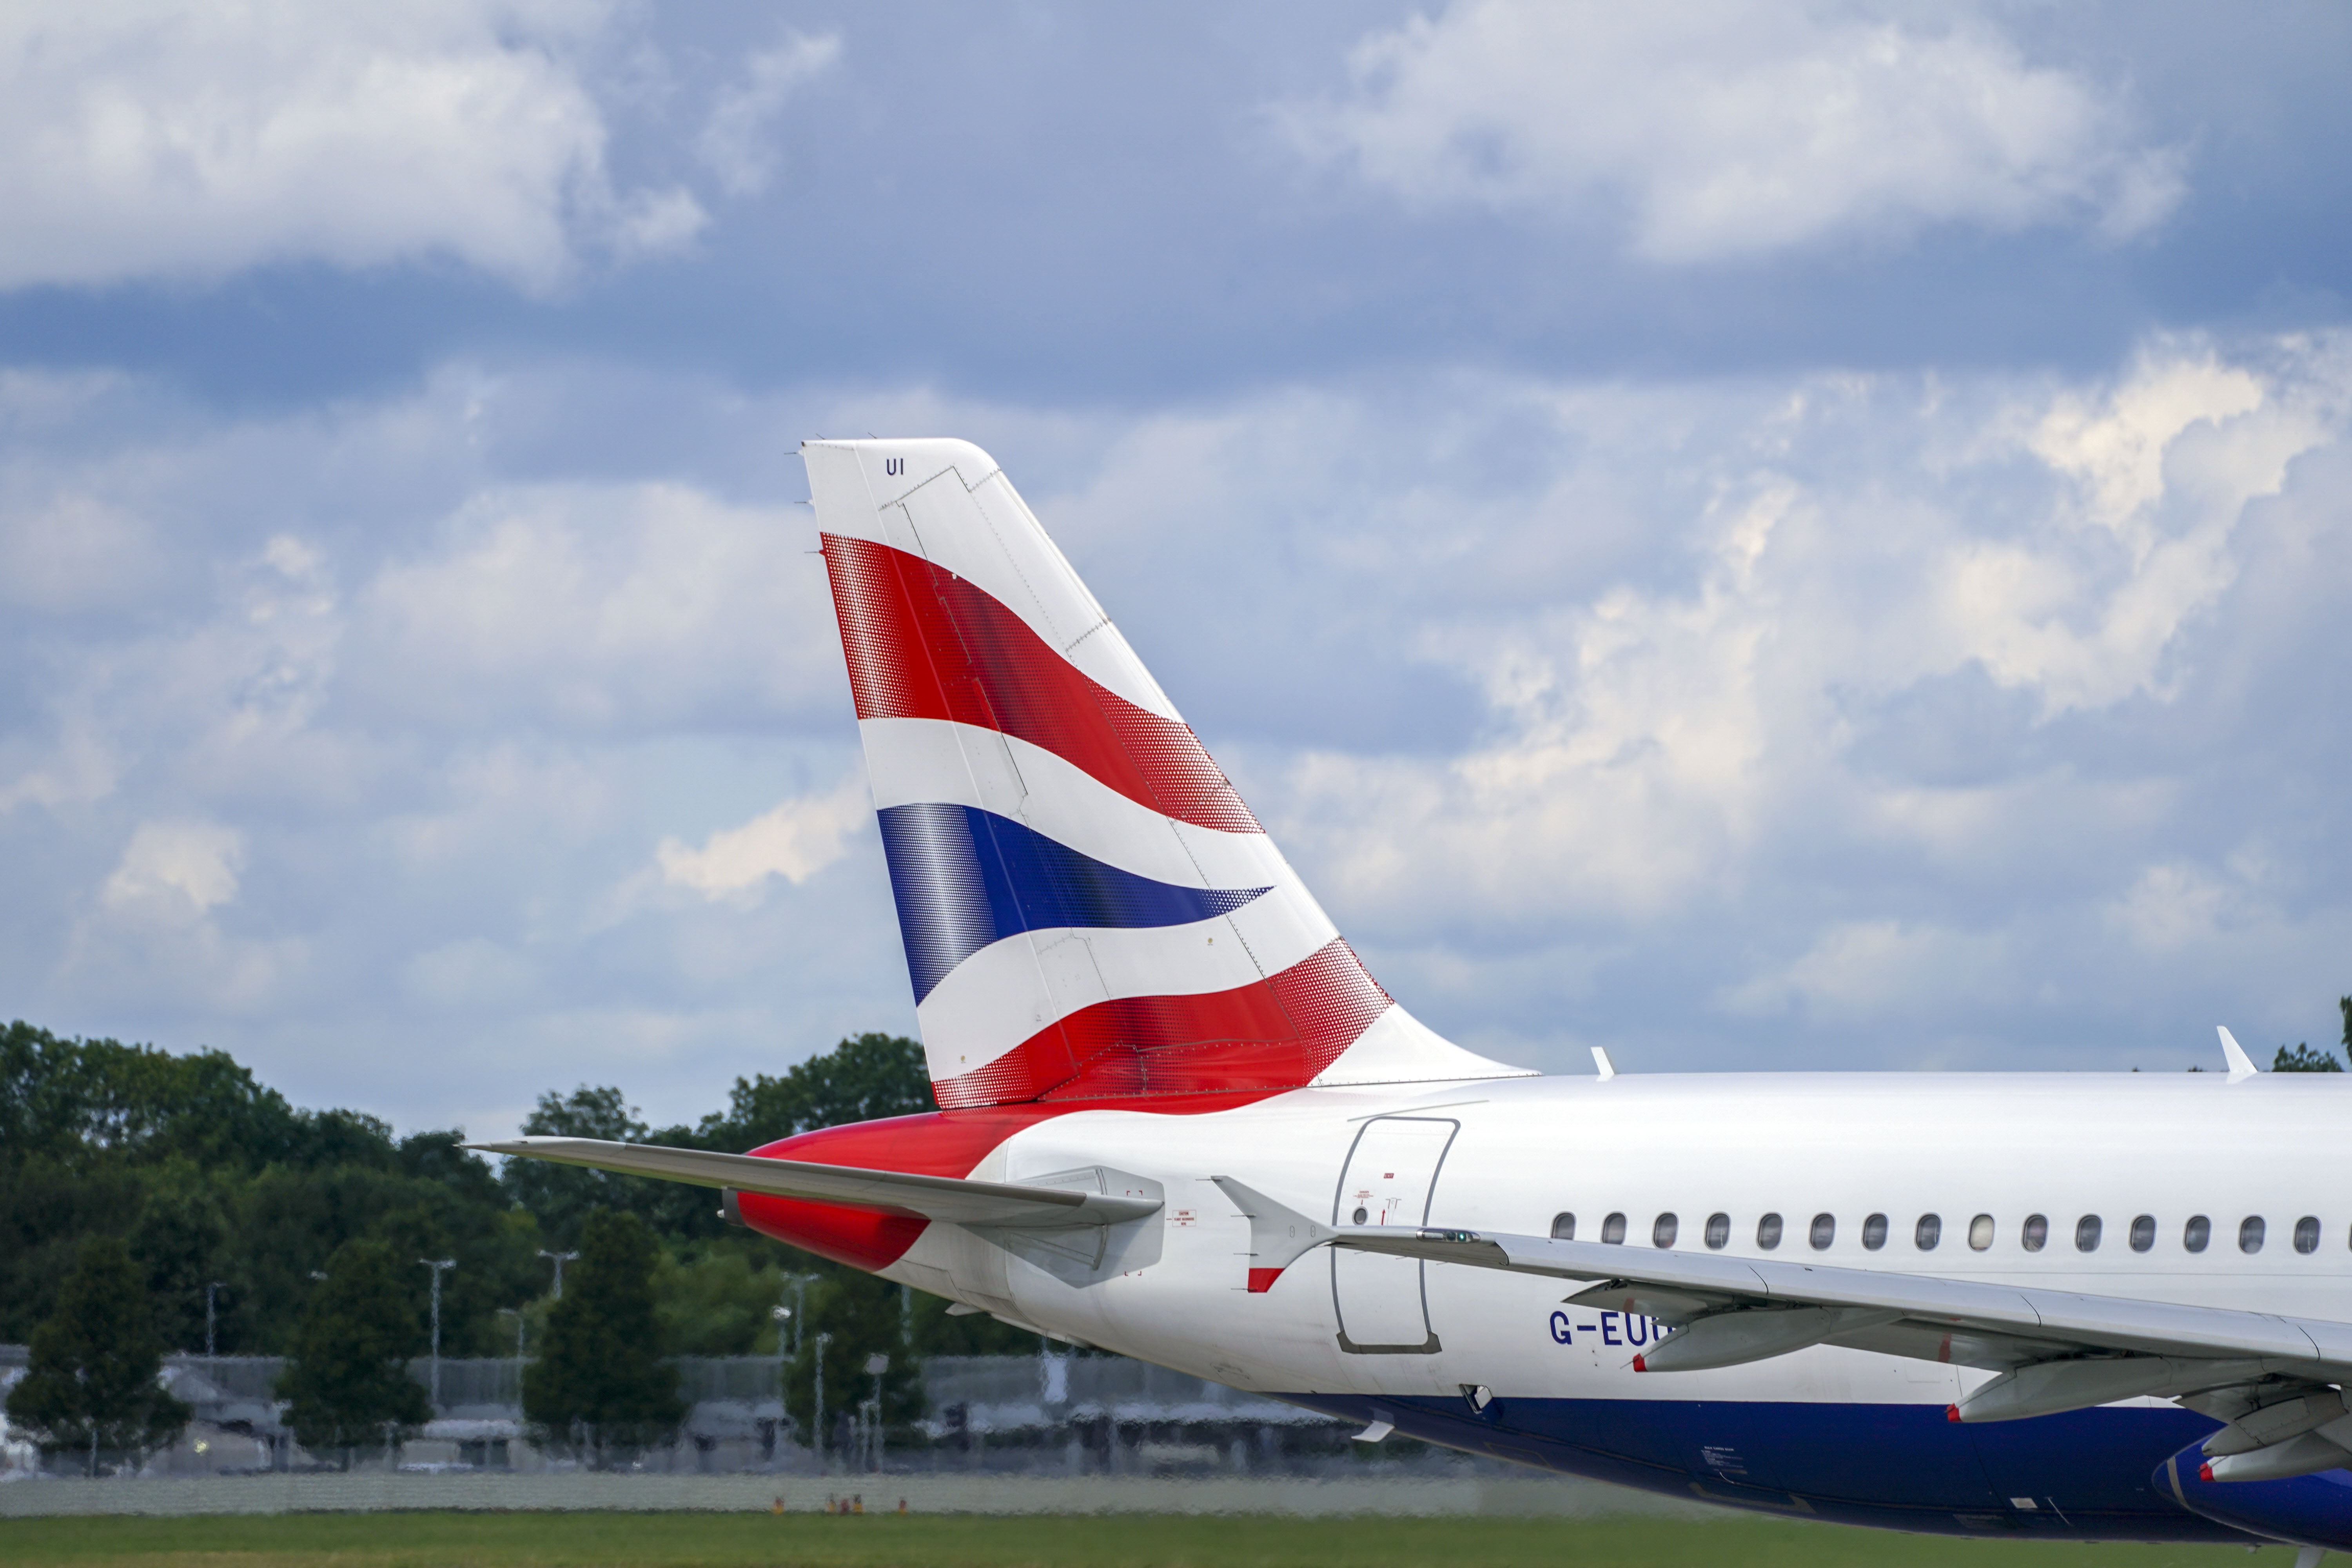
x=1089 y=911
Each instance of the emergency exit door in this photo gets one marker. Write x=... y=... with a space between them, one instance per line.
x=1390 y=1174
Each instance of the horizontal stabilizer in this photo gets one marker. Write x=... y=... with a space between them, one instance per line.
x=948 y=1198
x=1279 y=1235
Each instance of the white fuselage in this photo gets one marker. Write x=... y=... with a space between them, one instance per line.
x=1512 y=1155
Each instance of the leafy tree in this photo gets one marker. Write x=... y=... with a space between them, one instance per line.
x=2302 y=1058
x=47 y=1209
x=180 y=1242
x=83 y=1101
x=863 y=1079
x=91 y=1388
x=563 y=1196
x=349 y=1385
x=720 y=1301
x=600 y=1387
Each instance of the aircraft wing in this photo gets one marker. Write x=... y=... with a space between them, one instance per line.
x=948 y=1198
x=2059 y=1350
x=2054 y=1349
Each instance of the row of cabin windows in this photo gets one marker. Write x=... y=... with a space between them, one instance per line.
x=1929 y=1234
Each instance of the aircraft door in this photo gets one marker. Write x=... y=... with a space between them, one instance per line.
x=1390 y=1176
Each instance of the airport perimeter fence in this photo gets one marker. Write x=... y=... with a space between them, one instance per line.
x=1048 y=1416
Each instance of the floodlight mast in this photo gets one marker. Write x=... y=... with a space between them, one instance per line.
x=438 y=1265
x=561 y=1259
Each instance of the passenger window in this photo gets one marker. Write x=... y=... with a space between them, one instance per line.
x=1928 y=1232
x=1874 y=1233
x=1613 y=1229
x=2086 y=1233
x=2307 y=1234
x=2250 y=1234
x=1719 y=1231
x=1824 y=1231
x=1662 y=1233
x=1768 y=1232
x=1563 y=1227
x=2143 y=1233
x=1981 y=1232
x=2036 y=1232
x=2195 y=1233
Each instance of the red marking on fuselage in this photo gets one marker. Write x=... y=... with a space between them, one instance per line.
x=934 y=1143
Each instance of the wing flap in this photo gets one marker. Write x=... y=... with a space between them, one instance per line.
x=948 y=1198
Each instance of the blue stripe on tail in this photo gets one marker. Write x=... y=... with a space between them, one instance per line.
x=965 y=877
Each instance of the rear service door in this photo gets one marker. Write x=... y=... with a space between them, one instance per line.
x=1391 y=1173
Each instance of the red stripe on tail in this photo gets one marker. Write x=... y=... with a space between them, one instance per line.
x=925 y=644
x=1270 y=1035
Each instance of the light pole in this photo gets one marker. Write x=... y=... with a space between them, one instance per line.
x=516 y=1313
x=783 y=1315
x=876 y=1365
x=821 y=1341
x=211 y=1288
x=800 y=1307
x=561 y=1259
x=437 y=1265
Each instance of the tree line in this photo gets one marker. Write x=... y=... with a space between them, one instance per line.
x=152 y=1202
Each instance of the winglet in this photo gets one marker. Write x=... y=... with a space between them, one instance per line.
x=1603 y=1065
x=2242 y=1065
x=1278 y=1236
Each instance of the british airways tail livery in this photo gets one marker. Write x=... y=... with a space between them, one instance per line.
x=1179 y=1120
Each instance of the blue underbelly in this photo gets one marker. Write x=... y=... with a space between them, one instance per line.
x=2086 y=1475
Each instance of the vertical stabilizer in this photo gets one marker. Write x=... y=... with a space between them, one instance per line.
x=1089 y=909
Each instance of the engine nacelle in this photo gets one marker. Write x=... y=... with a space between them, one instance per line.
x=2312 y=1510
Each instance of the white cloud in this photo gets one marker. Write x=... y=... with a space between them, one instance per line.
x=175 y=870
x=1737 y=128
x=155 y=935
x=734 y=144
x=1871 y=969
x=795 y=841
x=74 y=768
x=597 y=606
x=66 y=552
x=1649 y=741
x=171 y=139
x=2165 y=463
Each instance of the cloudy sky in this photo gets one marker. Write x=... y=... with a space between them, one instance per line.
x=1754 y=536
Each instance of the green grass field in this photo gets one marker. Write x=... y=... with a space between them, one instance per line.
x=949 y=1540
